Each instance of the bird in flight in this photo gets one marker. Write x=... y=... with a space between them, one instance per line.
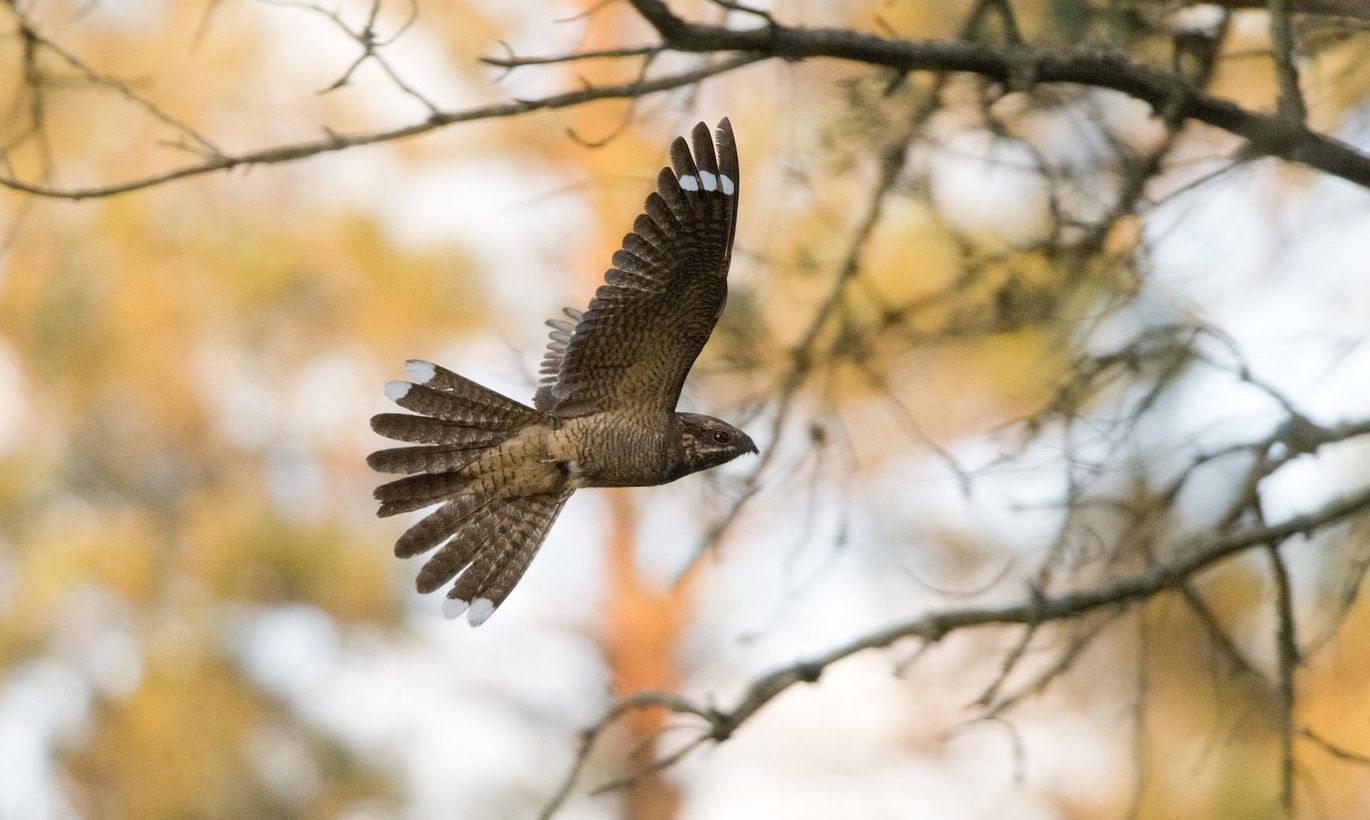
x=604 y=414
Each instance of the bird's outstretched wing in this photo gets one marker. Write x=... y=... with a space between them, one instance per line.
x=646 y=324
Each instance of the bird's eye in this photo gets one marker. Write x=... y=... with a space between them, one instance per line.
x=722 y=437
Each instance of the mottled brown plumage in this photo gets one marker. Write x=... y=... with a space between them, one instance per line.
x=604 y=415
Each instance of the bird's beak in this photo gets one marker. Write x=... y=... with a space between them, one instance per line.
x=752 y=445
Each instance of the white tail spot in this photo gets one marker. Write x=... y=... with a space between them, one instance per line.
x=689 y=183
x=729 y=187
x=710 y=181
x=481 y=609
x=420 y=371
x=397 y=390
x=453 y=607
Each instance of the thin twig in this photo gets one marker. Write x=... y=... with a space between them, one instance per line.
x=1216 y=633
x=635 y=702
x=514 y=61
x=1339 y=752
x=1287 y=658
x=1079 y=642
x=1282 y=48
x=94 y=77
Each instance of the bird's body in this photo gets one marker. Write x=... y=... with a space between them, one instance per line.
x=601 y=450
x=605 y=413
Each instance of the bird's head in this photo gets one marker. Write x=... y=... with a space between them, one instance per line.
x=708 y=442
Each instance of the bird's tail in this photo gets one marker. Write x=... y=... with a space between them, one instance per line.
x=490 y=541
x=458 y=420
x=491 y=538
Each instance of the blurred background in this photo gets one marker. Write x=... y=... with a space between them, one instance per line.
x=990 y=341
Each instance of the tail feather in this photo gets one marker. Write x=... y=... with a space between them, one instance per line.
x=440 y=393
x=444 y=380
x=499 y=564
x=419 y=490
x=469 y=409
x=467 y=550
x=477 y=529
x=440 y=525
x=390 y=508
x=423 y=459
x=527 y=540
x=424 y=430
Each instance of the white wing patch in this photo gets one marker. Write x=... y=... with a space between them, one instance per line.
x=709 y=182
x=397 y=390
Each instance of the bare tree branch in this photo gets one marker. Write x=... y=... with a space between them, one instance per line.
x=1267 y=135
x=1355 y=9
x=1017 y=66
x=339 y=142
x=1193 y=557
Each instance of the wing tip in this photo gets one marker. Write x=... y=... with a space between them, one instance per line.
x=706 y=162
x=701 y=131
x=727 y=154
